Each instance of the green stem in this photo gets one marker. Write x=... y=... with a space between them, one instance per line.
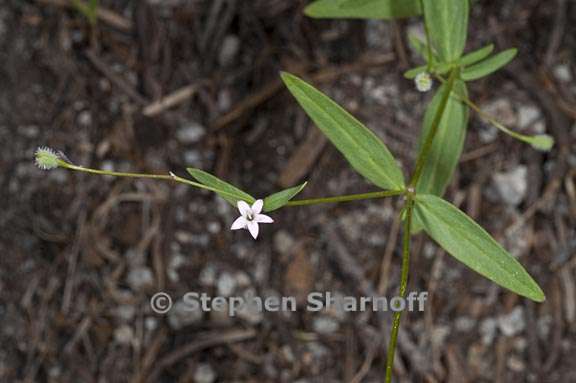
x=408 y=207
x=403 y=285
x=169 y=177
x=345 y=198
x=175 y=178
x=485 y=116
x=428 y=42
x=434 y=129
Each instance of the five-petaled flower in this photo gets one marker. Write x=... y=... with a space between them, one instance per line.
x=250 y=217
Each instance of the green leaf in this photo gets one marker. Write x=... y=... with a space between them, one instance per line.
x=477 y=55
x=439 y=69
x=469 y=243
x=411 y=74
x=225 y=190
x=277 y=200
x=447 y=23
x=490 y=65
x=363 y=9
x=419 y=46
x=448 y=142
x=361 y=147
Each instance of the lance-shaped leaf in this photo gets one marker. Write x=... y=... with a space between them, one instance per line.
x=363 y=9
x=277 y=200
x=225 y=190
x=466 y=241
x=447 y=22
x=449 y=140
x=477 y=55
x=361 y=147
x=490 y=65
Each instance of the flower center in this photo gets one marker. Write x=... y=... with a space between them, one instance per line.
x=250 y=216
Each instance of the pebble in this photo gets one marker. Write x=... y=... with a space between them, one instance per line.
x=512 y=185
x=502 y=110
x=488 y=330
x=283 y=242
x=204 y=374
x=513 y=323
x=208 y=275
x=183 y=314
x=516 y=364
x=193 y=158
x=250 y=312
x=465 y=324
x=229 y=50
x=544 y=326
x=562 y=73
x=528 y=115
x=125 y=312
x=176 y=261
x=124 y=335
x=226 y=284
x=190 y=133
x=85 y=118
x=140 y=278
x=214 y=227
x=325 y=325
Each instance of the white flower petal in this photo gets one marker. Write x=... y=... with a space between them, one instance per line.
x=262 y=218
x=240 y=223
x=253 y=228
x=257 y=206
x=244 y=208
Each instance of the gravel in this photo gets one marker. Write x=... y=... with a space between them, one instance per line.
x=512 y=185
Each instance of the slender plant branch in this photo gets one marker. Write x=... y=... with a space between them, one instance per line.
x=485 y=116
x=345 y=198
x=175 y=178
x=435 y=124
x=428 y=42
x=169 y=177
x=408 y=208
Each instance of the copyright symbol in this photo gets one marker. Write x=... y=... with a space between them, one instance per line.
x=161 y=303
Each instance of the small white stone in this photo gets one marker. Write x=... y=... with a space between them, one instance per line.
x=85 y=118
x=193 y=158
x=512 y=186
x=140 y=278
x=229 y=50
x=190 y=133
x=124 y=335
x=214 y=227
x=528 y=115
x=501 y=109
x=125 y=312
x=325 y=325
x=204 y=374
x=175 y=263
x=488 y=330
x=208 y=275
x=183 y=314
x=562 y=73
x=226 y=284
x=250 y=312
x=283 y=242
x=465 y=324
x=513 y=323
